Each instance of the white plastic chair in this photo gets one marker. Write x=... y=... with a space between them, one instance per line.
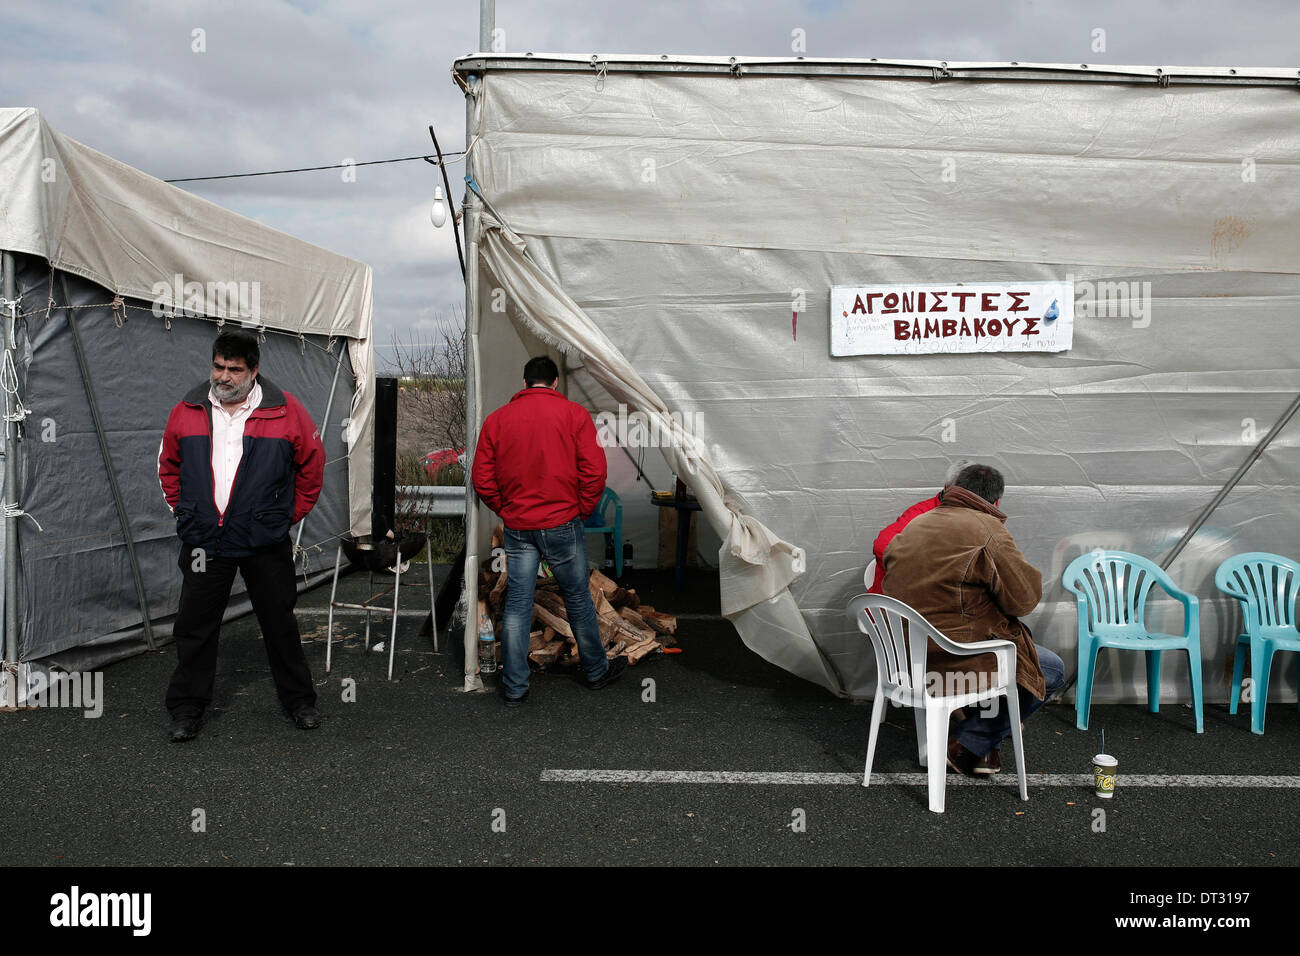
x=901 y=677
x=869 y=575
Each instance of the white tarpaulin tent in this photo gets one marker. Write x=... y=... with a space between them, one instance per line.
x=675 y=227
x=115 y=283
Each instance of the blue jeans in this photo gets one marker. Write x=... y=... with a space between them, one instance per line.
x=979 y=733
x=565 y=549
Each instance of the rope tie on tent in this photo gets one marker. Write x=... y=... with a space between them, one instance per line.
x=299 y=552
x=302 y=344
x=602 y=70
x=167 y=321
x=261 y=334
x=119 y=317
x=13 y=511
x=9 y=383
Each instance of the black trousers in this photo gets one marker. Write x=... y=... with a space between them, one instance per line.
x=269 y=577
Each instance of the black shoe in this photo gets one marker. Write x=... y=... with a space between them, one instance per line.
x=612 y=673
x=305 y=717
x=515 y=701
x=185 y=728
x=960 y=759
x=989 y=764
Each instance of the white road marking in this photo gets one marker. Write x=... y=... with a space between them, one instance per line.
x=1006 y=778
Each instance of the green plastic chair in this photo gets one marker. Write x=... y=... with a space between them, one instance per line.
x=599 y=523
x=1267 y=586
x=1111 y=590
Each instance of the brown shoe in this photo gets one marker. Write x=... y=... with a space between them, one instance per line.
x=990 y=763
x=960 y=760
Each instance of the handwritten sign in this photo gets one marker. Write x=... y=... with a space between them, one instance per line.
x=912 y=319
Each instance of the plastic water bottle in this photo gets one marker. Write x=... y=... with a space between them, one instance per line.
x=487 y=648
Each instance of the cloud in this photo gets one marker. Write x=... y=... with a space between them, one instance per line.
x=278 y=84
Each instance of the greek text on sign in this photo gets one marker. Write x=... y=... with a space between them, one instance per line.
x=911 y=319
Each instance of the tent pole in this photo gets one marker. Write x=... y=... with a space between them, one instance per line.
x=324 y=423
x=473 y=392
x=473 y=384
x=1253 y=457
x=11 y=481
x=123 y=520
x=487 y=21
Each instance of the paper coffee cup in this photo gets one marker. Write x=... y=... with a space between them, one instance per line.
x=1104 y=769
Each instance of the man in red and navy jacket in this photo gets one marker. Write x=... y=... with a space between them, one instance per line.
x=241 y=462
x=538 y=465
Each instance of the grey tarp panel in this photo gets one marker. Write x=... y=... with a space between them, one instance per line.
x=685 y=214
x=76 y=586
x=89 y=215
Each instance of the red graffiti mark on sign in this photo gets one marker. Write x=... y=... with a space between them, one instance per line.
x=794 y=326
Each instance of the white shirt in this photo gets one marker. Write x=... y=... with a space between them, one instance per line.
x=228 y=442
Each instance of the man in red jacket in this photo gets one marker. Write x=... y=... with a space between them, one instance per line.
x=539 y=466
x=891 y=531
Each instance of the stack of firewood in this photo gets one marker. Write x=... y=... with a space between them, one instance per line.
x=626 y=625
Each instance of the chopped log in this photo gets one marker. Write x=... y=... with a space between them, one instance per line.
x=560 y=625
x=602 y=582
x=605 y=614
x=636 y=652
x=605 y=618
x=633 y=618
x=544 y=656
x=625 y=597
x=548 y=634
x=536 y=641
x=662 y=634
x=499 y=587
x=499 y=536
x=662 y=623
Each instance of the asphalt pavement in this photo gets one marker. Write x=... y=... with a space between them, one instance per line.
x=414 y=771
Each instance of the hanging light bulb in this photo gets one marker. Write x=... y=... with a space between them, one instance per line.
x=438 y=215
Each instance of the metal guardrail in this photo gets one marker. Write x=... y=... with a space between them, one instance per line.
x=435 y=501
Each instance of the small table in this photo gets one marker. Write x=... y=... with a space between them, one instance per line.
x=685 y=505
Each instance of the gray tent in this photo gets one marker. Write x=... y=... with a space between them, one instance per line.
x=114 y=285
x=682 y=230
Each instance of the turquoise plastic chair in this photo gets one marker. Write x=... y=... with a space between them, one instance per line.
x=1267 y=586
x=1111 y=590
x=599 y=523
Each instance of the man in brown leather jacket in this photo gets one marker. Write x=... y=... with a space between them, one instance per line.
x=959 y=567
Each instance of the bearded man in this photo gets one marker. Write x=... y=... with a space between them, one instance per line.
x=241 y=462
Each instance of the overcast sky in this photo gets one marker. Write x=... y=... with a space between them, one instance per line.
x=286 y=84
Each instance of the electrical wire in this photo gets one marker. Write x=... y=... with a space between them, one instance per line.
x=309 y=169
